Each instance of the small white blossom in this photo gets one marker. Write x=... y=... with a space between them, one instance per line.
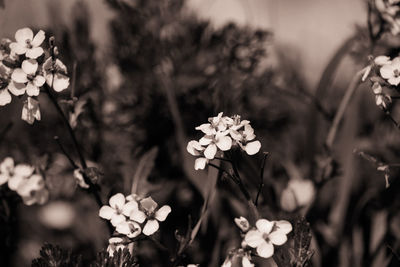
x=28 y=76
x=266 y=235
x=242 y=223
x=391 y=72
x=298 y=193
x=28 y=44
x=55 y=73
x=31 y=110
x=129 y=228
x=117 y=210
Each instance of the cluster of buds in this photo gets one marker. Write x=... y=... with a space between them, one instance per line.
x=383 y=72
x=260 y=238
x=389 y=11
x=221 y=134
x=25 y=67
x=22 y=179
x=133 y=215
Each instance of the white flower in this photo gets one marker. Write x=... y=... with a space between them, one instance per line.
x=227 y=263
x=215 y=124
x=246 y=261
x=27 y=44
x=244 y=138
x=149 y=211
x=298 y=193
x=391 y=72
x=117 y=210
x=382 y=60
x=381 y=99
x=28 y=76
x=242 y=223
x=219 y=140
x=267 y=235
x=129 y=228
x=31 y=110
x=6 y=170
x=55 y=73
x=79 y=178
x=33 y=190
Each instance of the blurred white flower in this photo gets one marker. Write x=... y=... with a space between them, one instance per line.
x=79 y=178
x=58 y=215
x=267 y=235
x=246 y=261
x=242 y=223
x=227 y=263
x=298 y=193
x=33 y=190
x=28 y=44
x=55 y=73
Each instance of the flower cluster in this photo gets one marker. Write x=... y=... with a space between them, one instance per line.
x=25 y=67
x=222 y=133
x=132 y=215
x=390 y=12
x=22 y=179
x=262 y=237
x=383 y=72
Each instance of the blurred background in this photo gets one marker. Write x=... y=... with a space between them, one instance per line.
x=147 y=72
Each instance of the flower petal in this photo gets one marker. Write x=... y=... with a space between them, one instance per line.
x=19 y=76
x=14 y=182
x=129 y=207
x=117 y=201
x=264 y=226
x=254 y=238
x=106 y=212
x=138 y=216
x=23 y=170
x=7 y=165
x=224 y=143
x=5 y=97
x=386 y=71
x=148 y=204
x=23 y=35
x=117 y=219
x=277 y=238
x=29 y=66
x=34 y=52
x=151 y=227
x=283 y=226
x=60 y=83
x=205 y=140
x=265 y=250
x=32 y=90
x=210 y=151
x=39 y=81
x=253 y=147
x=38 y=39
x=246 y=262
x=200 y=163
x=18 y=48
x=162 y=213
x=242 y=223
x=16 y=89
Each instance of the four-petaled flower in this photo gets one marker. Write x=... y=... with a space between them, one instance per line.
x=117 y=210
x=28 y=76
x=267 y=235
x=391 y=72
x=149 y=211
x=28 y=44
x=220 y=140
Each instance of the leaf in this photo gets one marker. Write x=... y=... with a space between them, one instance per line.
x=302 y=241
x=144 y=168
x=120 y=258
x=54 y=256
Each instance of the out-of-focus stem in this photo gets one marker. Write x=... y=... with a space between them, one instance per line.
x=355 y=82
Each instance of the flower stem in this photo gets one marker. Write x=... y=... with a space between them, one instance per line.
x=355 y=82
